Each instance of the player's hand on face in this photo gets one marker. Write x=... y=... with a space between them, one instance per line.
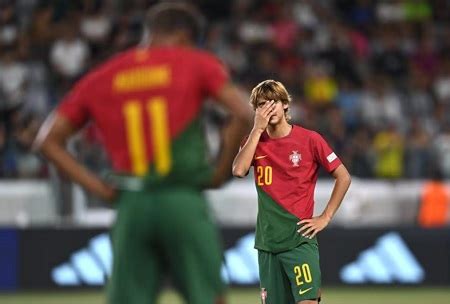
x=263 y=114
x=312 y=226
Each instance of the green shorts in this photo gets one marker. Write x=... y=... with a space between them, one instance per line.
x=167 y=231
x=290 y=276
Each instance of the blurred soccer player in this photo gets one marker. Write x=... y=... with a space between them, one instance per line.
x=146 y=103
x=286 y=159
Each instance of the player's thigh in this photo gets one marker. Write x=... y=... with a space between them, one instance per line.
x=192 y=245
x=135 y=270
x=301 y=265
x=273 y=279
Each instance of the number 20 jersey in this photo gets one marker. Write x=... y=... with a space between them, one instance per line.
x=146 y=103
x=286 y=171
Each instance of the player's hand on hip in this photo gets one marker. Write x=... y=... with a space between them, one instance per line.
x=263 y=114
x=107 y=193
x=310 y=227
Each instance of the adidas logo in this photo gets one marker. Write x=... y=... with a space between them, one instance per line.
x=241 y=262
x=390 y=260
x=92 y=265
x=88 y=266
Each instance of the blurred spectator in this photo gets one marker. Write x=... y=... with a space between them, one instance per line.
x=95 y=25
x=235 y=56
x=441 y=150
x=398 y=10
x=15 y=157
x=2 y=150
x=304 y=14
x=389 y=153
x=380 y=105
x=418 y=103
x=441 y=85
x=69 y=53
x=27 y=164
x=127 y=30
x=434 y=211
x=320 y=87
x=425 y=57
x=441 y=10
x=333 y=125
x=361 y=13
x=417 y=10
x=390 y=11
x=255 y=30
x=417 y=158
x=353 y=67
x=13 y=79
x=37 y=96
x=348 y=101
x=341 y=53
x=264 y=66
x=284 y=29
x=389 y=59
x=24 y=10
x=360 y=154
x=40 y=32
x=9 y=27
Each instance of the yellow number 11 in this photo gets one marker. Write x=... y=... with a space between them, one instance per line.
x=156 y=109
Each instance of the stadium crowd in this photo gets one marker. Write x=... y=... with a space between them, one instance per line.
x=372 y=76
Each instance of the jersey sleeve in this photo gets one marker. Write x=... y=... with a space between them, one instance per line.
x=74 y=106
x=214 y=75
x=323 y=153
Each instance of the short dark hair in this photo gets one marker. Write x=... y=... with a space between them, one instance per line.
x=168 y=17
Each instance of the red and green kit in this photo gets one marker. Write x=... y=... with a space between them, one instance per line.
x=286 y=172
x=146 y=104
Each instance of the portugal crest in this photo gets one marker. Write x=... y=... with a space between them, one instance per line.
x=295 y=158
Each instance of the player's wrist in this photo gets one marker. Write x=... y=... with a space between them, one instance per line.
x=108 y=193
x=327 y=217
x=257 y=130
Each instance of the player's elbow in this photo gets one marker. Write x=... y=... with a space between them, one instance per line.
x=349 y=180
x=342 y=176
x=39 y=144
x=346 y=178
x=239 y=171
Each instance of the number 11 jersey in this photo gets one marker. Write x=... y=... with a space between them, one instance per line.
x=146 y=104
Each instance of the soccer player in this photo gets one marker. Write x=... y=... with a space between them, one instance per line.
x=146 y=102
x=286 y=159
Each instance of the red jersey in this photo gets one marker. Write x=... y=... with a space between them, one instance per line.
x=286 y=171
x=142 y=100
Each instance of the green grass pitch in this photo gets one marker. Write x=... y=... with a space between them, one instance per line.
x=347 y=295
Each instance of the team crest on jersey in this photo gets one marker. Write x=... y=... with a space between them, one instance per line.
x=295 y=158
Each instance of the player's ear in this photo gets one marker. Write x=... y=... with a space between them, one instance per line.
x=285 y=106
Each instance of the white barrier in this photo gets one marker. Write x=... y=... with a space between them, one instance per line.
x=368 y=203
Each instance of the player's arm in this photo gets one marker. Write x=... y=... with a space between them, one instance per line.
x=244 y=157
x=342 y=182
x=239 y=122
x=51 y=142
